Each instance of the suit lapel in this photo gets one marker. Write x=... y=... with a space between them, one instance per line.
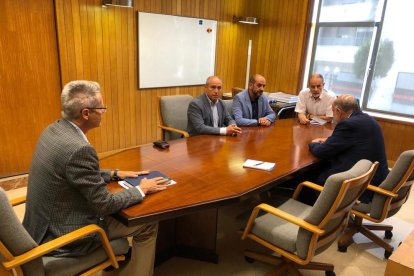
x=248 y=103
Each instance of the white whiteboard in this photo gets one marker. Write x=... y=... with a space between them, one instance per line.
x=174 y=50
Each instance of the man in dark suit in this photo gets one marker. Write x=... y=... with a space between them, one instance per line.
x=207 y=114
x=356 y=136
x=251 y=107
x=67 y=190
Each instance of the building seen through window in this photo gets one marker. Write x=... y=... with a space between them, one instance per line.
x=363 y=48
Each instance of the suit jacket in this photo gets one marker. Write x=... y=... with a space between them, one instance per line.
x=200 y=116
x=358 y=137
x=242 y=109
x=67 y=190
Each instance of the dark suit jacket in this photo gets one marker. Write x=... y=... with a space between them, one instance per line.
x=67 y=190
x=358 y=137
x=242 y=109
x=200 y=117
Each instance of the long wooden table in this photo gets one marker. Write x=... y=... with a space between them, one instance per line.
x=209 y=173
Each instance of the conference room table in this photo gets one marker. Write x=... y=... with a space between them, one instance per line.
x=209 y=169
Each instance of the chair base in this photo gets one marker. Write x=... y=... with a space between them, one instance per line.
x=285 y=265
x=366 y=229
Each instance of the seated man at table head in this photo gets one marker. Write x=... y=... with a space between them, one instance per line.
x=207 y=114
x=356 y=136
x=67 y=190
x=251 y=107
x=315 y=101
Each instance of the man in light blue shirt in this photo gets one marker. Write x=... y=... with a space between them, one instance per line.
x=251 y=107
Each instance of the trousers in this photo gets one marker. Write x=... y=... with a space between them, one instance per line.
x=144 y=237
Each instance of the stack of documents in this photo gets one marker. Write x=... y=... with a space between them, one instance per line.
x=283 y=97
x=260 y=165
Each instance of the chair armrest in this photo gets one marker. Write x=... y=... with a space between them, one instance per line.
x=282 y=214
x=18 y=200
x=381 y=191
x=182 y=132
x=62 y=241
x=309 y=184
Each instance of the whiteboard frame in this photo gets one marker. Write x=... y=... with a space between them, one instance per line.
x=160 y=67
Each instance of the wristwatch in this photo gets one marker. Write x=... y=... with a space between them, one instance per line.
x=115 y=177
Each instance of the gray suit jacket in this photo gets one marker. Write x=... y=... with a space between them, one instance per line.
x=242 y=109
x=67 y=190
x=200 y=117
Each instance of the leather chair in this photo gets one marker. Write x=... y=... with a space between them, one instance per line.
x=229 y=106
x=388 y=198
x=21 y=255
x=286 y=112
x=173 y=111
x=235 y=90
x=298 y=231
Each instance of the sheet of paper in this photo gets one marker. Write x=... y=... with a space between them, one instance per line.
x=260 y=165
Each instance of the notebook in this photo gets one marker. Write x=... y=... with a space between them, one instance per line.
x=260 y=165
x=136 y=180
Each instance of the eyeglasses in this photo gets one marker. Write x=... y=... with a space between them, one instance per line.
x=103 y=109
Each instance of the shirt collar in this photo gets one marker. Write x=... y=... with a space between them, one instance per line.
x=79 y=131
x=210 y=101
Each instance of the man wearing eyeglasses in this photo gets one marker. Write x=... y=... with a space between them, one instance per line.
x=67 y=189
x=315 y=101
x=207 y=114
x=356 y=136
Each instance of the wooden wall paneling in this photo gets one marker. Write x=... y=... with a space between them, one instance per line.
x=115 y=43
x=29 y=80
x=398 y=137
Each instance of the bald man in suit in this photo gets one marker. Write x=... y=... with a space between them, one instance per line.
x=207 y=113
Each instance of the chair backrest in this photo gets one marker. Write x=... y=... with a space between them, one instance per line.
x=229 y=106
x=286 y=112
x=399 y=181
x=14 y=239
x=331 y=210
x=236 y=90
x=174 y=113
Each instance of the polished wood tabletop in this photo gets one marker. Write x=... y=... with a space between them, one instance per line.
x=209 y=169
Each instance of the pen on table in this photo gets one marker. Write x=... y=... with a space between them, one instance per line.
x=257 y=164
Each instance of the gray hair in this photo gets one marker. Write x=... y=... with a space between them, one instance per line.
x=316 y=75
x=77 y=95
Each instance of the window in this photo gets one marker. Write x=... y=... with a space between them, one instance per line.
x=364 y=48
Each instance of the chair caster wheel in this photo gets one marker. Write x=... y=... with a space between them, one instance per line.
x=248 y=259
x=342 y=248
x=388 y=235
x=330 y=273
x=387 y=254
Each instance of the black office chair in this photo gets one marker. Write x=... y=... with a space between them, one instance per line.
x=286 y=112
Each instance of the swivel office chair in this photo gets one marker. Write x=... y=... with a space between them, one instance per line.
x=173 y=116
x=298 y=231
x=388 y=198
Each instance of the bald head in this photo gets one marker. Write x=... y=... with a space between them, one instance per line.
x=257 y=84
x=213 y=88
x=346 y=103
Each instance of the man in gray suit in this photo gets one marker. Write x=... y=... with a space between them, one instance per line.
x=67 y=190
x=207 y=114
x=251 y=107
